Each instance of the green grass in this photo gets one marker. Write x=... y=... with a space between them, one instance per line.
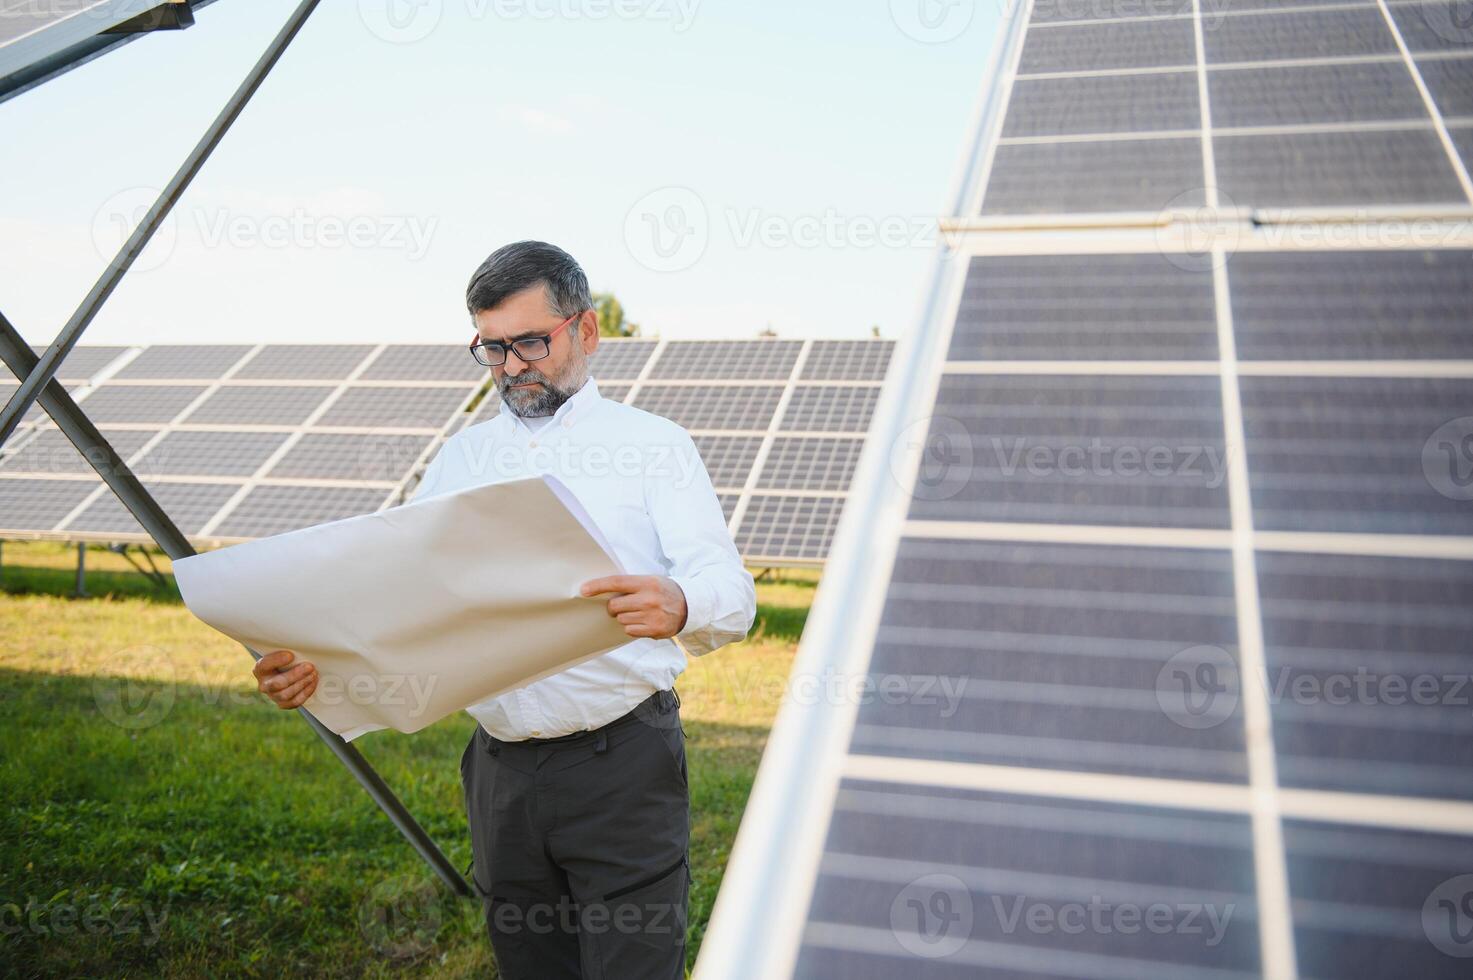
x=161 y=819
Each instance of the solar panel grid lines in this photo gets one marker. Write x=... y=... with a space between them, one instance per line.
x=308 y=418
x=744 y=407
x=739 y=516
x=727 y=359
x=206 y=364
x=84 y=362
x=728 y=459
x=731 y=416
x=1058 y=166
x=773 y=871
x=1316 y=331
x=244 y=492
x=1460 y=166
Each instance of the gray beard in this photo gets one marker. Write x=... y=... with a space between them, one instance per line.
x=549 y=398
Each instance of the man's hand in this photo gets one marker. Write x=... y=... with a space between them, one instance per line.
x=289 y=688
x=646 y=605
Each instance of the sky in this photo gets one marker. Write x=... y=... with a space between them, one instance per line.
x=722 y=166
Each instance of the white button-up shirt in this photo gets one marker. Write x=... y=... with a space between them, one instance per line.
x=641 y=479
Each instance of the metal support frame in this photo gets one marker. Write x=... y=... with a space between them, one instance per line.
x=38 y=384
x=151 y=573
x=83 y=434
x=32 y=383
x=80 y=591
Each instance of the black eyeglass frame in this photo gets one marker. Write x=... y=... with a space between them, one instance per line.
x=526 y=348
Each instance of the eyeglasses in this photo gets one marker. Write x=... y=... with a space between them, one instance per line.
x=492 y=353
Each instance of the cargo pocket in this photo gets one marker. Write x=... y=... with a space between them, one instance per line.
x=652 y=911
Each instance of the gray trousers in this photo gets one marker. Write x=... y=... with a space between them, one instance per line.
x=581 y=848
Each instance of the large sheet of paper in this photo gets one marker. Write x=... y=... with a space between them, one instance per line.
x=418 y=611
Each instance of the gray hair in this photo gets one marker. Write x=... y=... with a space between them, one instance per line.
x=523 y=265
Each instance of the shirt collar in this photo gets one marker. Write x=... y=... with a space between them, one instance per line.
x=577 y=406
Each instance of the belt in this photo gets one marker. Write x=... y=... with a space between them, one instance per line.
x=659 y=701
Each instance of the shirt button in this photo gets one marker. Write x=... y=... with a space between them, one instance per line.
x=535 y=733
x=567 y=423
x=533 y=444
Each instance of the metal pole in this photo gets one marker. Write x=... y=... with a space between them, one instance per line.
x=81 y=590
x=35 y=380
x=77 y=427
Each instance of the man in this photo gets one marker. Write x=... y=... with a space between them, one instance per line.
x=575 y=786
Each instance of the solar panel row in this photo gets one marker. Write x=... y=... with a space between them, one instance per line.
x=779 y=424
x=239 y=441
x=1308 y=108
x=1124 y=684
x=254 y=440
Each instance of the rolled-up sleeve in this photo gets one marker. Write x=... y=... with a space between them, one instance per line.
x=720 y=596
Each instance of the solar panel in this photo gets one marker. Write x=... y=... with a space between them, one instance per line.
x=313 y=418
x=40 y=41
x=1104 y=104
x=196 y=453
x=1451 y=84
x=118 y=403
x=192 y=362
x=1051 y=11
x=270 y=509
x=1162 y=518
x=1111 y=44
x=805 y=463
x=785 y=528
x=83 y=362
x=1274 y=36
x=396 y=407
x=1432 y=26
x=825 y=408
x=51 y=452
x=739 y=406
x=1348 y=454
x=1125 y=307
x=1144 y=451
x=728 y=360
x=424 y=362
x=28 y=505
x=33 y=414
x=351 y=456
x=1363 y=305
x=620 y=359
x=729 y=503
x=296 y=418
x=1089 y=176
x=847 y=360
x=190 y=505
x=304 y=362
x=1328 y=169
x=259 y=405
x=1374 y=91
x=728 y=459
